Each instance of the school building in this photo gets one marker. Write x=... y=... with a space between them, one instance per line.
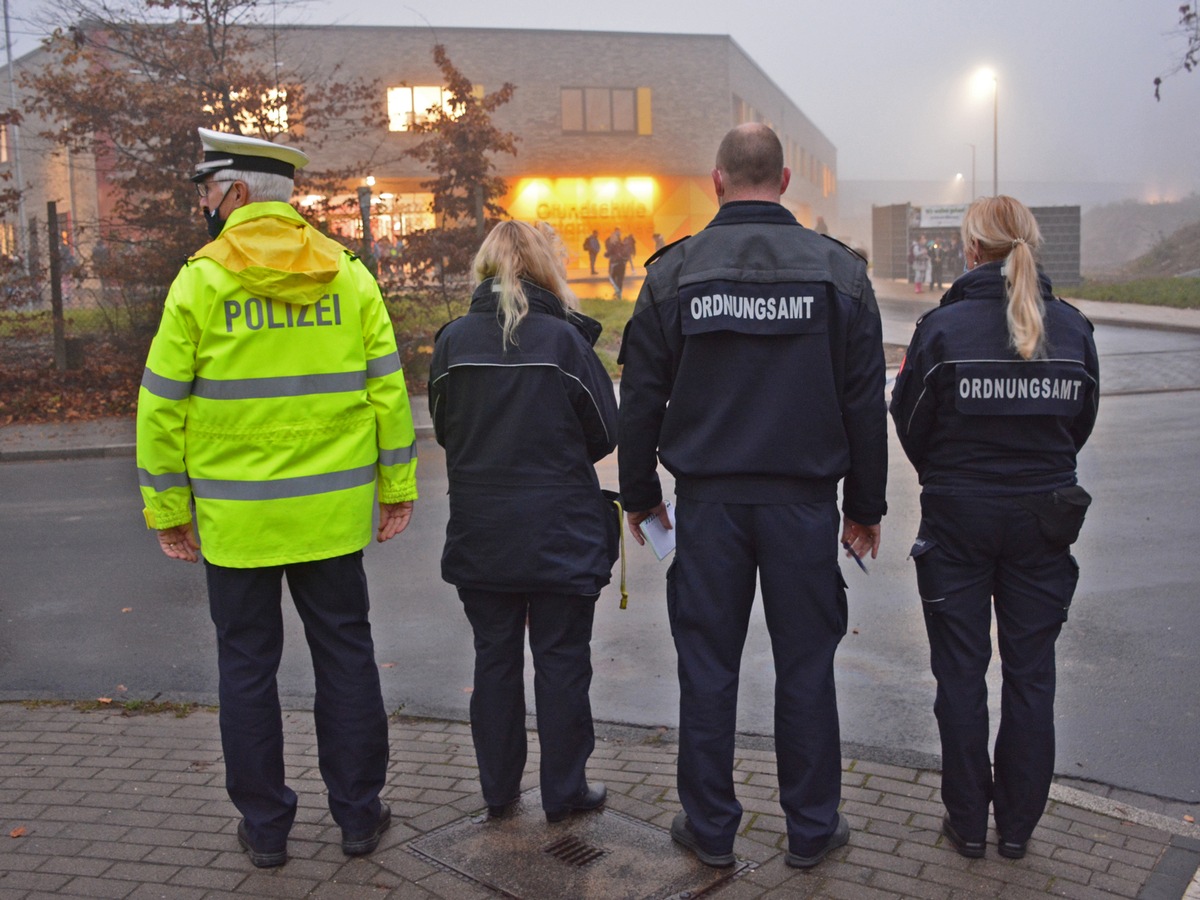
x=616 y=130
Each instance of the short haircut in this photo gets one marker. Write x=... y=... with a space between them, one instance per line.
x=262 y=186
x=750 y=155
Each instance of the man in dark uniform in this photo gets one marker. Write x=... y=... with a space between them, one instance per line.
x=754 y=370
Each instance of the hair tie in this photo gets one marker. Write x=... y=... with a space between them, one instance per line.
x=1018 y=241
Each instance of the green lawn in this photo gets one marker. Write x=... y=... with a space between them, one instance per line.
x=1180 y=293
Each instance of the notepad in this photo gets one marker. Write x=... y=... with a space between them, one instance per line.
x=662 y=540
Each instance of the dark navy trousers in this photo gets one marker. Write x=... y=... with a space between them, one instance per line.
x=560 y=634
x=791 y=550
x=972 y=552
x=352 y=729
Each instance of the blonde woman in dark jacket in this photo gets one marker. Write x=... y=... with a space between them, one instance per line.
x=997 y=394
x=524 y=409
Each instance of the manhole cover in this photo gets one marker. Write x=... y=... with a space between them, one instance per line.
x=603 y=855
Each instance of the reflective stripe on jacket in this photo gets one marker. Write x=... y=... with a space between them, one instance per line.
x=273 y=396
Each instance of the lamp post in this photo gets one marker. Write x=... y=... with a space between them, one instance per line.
x=995 y=136
x=983 y=79
x=972 y=146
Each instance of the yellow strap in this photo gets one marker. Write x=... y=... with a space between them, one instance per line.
x=621 y=523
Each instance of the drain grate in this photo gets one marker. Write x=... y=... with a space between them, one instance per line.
x=574 y=852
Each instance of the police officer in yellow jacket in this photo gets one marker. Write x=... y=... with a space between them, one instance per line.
x=273 y=400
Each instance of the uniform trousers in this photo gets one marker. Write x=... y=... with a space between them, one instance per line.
x=973 y=551
x=792 y=550
x=352 y=730
x=560 y=634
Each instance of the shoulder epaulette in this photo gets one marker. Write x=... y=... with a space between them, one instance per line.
x=663 y=249
x=1082 y=314
x=845 y=246
x=444 y=327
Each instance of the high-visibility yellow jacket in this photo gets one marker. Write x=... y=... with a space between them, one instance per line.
x=273 y=397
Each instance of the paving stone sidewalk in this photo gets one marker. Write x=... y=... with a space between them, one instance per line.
x=97 y=803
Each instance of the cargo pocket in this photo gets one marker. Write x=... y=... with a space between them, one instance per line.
x=671 y=603
x=931 y=580
x=843 y=608
x=610 y=513
x=1070 y=582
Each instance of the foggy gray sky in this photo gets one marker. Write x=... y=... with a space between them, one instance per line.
x=890 y=83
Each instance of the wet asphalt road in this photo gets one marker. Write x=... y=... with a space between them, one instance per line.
x=89 y=607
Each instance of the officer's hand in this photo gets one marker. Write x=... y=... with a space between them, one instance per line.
x=636 y=519
x=393 y=519
x=861 y=538
x=179 y=543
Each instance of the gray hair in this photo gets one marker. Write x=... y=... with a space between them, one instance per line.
x=263 y=186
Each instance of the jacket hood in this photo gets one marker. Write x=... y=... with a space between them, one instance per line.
x=273 y=252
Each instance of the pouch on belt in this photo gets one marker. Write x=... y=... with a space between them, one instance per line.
x=1060 y=513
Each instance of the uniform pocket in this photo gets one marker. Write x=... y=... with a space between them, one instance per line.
x=1070 y=582
x=931 y=580
x=671 y=601
x=843 y=607
x=610 y=510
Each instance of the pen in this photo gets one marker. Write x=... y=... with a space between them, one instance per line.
x=858 y=559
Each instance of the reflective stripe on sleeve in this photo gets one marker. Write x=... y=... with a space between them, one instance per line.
x=282 y=488
x=167 y=388
x=282 y=386
x=399 y=456
x=383 y=365
x=164 y=481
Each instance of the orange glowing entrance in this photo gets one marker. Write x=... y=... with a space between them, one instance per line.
x=641 y=205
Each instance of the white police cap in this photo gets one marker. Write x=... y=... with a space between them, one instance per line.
x=223 y=150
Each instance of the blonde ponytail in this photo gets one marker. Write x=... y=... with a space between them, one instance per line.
x=1026 y=311
x=1004 y=228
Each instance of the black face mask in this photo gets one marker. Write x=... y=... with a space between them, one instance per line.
x=212 y=218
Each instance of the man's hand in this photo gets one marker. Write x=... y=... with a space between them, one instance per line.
x=179 y=543
x=393 y=519
x=636 y=519
x=861 y=538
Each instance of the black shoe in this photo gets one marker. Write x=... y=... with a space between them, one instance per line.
x=504 y=810
x=969 y=849
x=365 y=842
x=839 y=838
x=681 y=833
x=260 y=858
x=1011 y=849
x=593 y=797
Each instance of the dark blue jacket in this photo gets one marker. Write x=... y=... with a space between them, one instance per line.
x=754 y=370
x=522 y=427
x=975 y=418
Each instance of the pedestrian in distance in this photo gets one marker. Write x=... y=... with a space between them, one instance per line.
x=726 y=325
x=524 y=408
x=591 y=246
x=919 y=258
x=274 y=400
x=616 y=251
x=997 y=394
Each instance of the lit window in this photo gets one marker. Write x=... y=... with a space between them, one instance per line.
x=3 y=143
x=596 y=110
x=409 y=106
x=272 y=114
